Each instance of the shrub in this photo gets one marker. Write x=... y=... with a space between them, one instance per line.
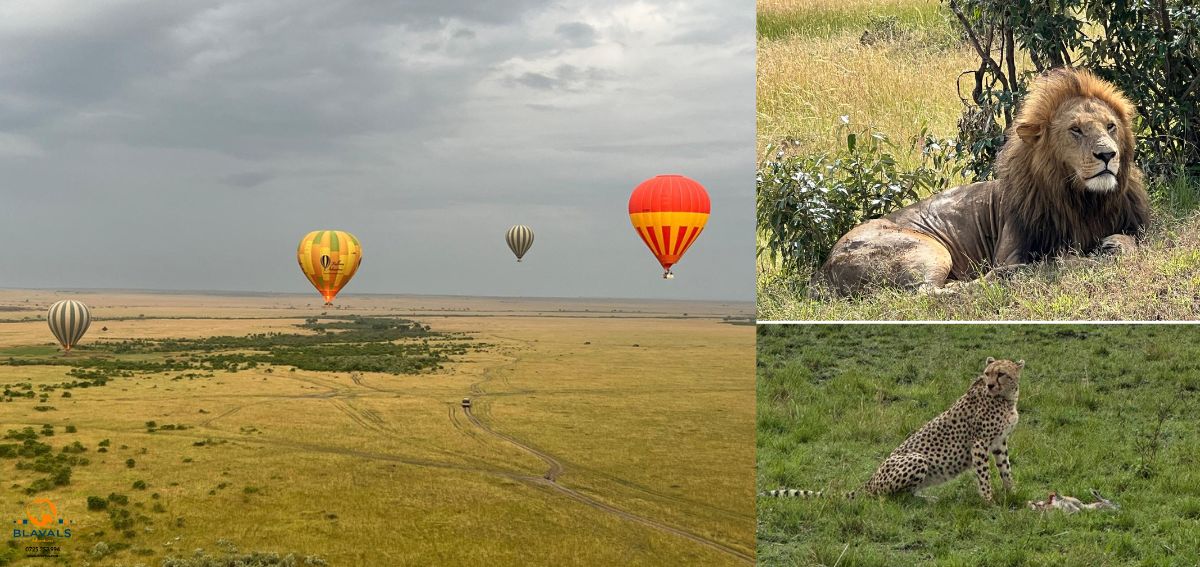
x=101 y=549
x=1150 y=49
x=96 y=503
x=75 y=448
x=805 y=203
x=27 y=433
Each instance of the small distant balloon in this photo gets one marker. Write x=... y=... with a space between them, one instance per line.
x=69 y=320
x=669 y=212
x=329 y=259
x=520 y=238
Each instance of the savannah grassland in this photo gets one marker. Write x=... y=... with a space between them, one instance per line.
x=647 y=414
x=813 y=68
x=1105 y=407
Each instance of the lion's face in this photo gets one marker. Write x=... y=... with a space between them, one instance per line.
x=1001 y=377
x=1084 y=133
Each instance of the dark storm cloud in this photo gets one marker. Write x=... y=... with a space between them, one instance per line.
x=203 y=135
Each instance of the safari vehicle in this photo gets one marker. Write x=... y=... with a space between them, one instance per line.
x=466 y=403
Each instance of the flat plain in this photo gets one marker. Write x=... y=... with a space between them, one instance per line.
x=217 y=426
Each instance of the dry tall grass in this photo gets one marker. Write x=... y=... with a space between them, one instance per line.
x=808 y=79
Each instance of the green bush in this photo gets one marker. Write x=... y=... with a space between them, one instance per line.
x=805 y=203
x=75 y=447
x=1148 y=48
x=96 y=503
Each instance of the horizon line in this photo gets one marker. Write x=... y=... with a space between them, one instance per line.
x=282 y=293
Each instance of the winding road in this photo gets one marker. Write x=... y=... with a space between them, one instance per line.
x=555 y=469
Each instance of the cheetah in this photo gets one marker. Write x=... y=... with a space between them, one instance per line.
x=959 y=439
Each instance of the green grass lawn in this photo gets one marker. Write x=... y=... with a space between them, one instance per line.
x=1110 y=407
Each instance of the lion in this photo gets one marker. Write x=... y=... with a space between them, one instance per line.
x=1065 y=182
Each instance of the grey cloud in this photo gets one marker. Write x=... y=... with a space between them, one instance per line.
x=565 y=77
x=247 y=179
x=578 y=34
x=226 y=131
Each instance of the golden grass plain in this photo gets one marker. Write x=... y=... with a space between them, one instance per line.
x=649 y=412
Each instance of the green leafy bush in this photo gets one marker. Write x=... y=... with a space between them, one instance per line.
x=805 y=203
x=1148 y=48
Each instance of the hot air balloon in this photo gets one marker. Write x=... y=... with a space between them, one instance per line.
x=668 y=212
x=520 y=238
x=329 y=259
x=69 y=320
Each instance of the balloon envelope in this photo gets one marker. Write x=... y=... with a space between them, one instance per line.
x=669 y=212
x=329 y=259
x=519 y=238
x=69 y=320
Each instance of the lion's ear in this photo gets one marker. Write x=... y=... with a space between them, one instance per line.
x=1029 y=132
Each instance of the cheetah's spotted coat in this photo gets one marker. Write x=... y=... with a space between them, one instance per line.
x=961 y=438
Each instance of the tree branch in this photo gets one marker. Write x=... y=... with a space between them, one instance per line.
x=986 y=56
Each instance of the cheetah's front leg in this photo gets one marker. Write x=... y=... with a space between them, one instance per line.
x=1001 y=455
x=983 y=472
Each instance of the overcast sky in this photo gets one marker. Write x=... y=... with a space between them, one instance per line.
x=186 y=145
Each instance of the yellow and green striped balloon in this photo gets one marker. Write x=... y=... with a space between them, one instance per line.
x=329 y=259
x=69 y=320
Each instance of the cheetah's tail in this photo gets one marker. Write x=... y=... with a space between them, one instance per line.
x=793 y=493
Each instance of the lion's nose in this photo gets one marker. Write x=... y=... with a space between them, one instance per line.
x=1104 y=156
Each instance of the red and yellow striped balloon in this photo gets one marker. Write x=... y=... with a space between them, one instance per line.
x=668 y=212
x=329 y=259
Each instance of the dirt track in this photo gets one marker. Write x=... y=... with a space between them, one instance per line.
x=556 y=468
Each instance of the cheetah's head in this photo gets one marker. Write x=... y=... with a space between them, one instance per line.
x=1001 y=377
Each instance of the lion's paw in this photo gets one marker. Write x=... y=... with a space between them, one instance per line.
x=1118 y=244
